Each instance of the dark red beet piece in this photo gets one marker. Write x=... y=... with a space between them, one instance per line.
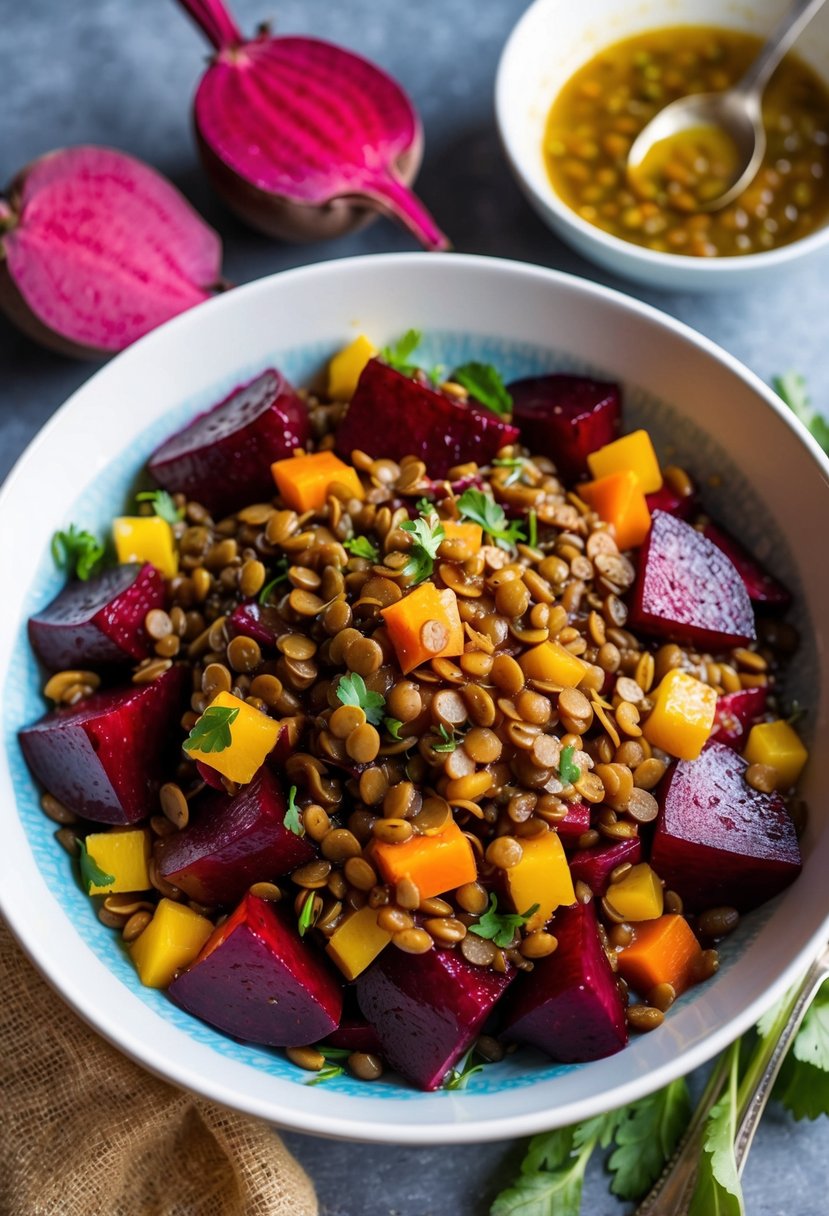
x=106 y=757
x=666 y=499
x=223 y=458
x=210 y=777
x=566 y=418
x=394 y=416
x=688 y=590
x=232 y=842
x=574 y=824
x=98 y=621
x=262 y=623
x=570 y=1005
x=717 y=840
x=762 y=587
x=257 y=980
x=594 y=865
x=736 y=713
x=427 y=1009
x=355 y=1034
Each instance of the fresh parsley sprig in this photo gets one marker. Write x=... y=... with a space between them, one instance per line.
x=293 y=820
x=428 y=534
x=393 y=725
x=500 y=927
x=485 y=383
x=399 y=354
x=163 y=505
x=460 y=1076
x=792 y=388
x=77 y=552
x=568 y=770
x=352 y=690
x=91 y=873
x=212 y=731
x=516 y=466
x=482 y=509
x=361 y=546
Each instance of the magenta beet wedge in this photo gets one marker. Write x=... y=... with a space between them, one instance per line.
x=566 y=418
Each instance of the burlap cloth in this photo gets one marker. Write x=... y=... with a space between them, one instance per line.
x=85 y=1132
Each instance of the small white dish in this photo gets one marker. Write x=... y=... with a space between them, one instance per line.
x=770 y=486
x=550 y=42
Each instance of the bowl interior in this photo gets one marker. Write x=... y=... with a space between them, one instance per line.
x=185 y=368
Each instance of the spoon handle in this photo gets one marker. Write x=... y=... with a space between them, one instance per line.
x=785 y=34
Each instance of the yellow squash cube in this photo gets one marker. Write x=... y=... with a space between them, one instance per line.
x=637 y=896
x=124 y=855
x=146 y=538
x=780 y=747
x=172 y=939
x=682 y=715
x=541 y=877
x=552 y=663
x=253 y=736
x=346 y=367
x=632 y=452
x=357 y=942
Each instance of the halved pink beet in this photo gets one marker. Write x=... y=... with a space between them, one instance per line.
x=594 y=865
x=718 y=840
x=666 y=499
x=566 y=418
x=570 y=1005
x=98 y=621
x=233 y=842
x=257 y=621
x=106 y=757
x=574 y=824
x=394 y=416
x=736 y=713
x=689 y=590
x=257 y=980
x=762 y=587
x=223 y=458
x=427 y=1009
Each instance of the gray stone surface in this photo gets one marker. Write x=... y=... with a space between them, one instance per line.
x=117 y=72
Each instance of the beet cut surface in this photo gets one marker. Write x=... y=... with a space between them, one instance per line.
x=595 y=865
x=566 y=418
x=735 y=715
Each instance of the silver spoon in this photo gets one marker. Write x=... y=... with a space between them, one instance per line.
x=735 y=111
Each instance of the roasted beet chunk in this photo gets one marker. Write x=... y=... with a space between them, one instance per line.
x=99 y=621
x=566 y=418
x=223 y=459
x=233 y=842
x=688 y=590
x=260 y=622
x=427 y=1009
x=259 y=981
x=106 y=756
x=393 y=416
x=762 y=587
x=570 y=1005
x=736 y=713
x=717 y=840
x=594 y=865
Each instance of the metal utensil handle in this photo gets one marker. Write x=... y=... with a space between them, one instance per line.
x=785 y=34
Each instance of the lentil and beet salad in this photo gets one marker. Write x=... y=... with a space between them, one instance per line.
x=466 y=737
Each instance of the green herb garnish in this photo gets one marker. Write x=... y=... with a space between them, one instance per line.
x=484 y=382
x=163 y=505
x=459 y=1077
x=393 y=725
x=306 y=914
x=77 y=552
x=212 y=731
x=428 y=534
x=532 y=528
x=568 y=771
x=91 y=873
x=352 y=690
x=500 y=927
x=424 y=505
x=449 y=741
x=516 y=464
x=361 y=546
x=292 y=820
x=792 y=388
x=398 y=354
x=280 y=577
x=481 y=509
x=327 y=1074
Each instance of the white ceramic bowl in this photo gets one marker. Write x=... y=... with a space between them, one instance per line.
x=712 y=414
x=552 y=40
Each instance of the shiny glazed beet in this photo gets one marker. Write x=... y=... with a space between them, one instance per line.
x=762 y=587
x=393 y=416
x=566 y=418
x=570 y=1005
x=100 y=620
x=427 y=1009
x=666 y=499
x=222 y=459
x=233 y=842
x=574 y=824
x=735 y=715
x=256 y=621
x=257 y=980
x=594 y=865
x=717 y=840
x=688 y=590
x=106 y=756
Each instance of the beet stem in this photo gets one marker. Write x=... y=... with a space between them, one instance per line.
x=397 y=201
x=215 y=22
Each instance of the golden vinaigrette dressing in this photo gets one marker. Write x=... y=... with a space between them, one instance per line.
x=607 y=102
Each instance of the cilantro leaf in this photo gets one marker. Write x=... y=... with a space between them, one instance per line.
x=552 y=1174
x=646 y=1136
x=484 y=510
x=393 y=725
x=424 y=505
x=280 y=577
x=803 y=1089
x=76 y=551
x=163 y=505
x=718 y=1191
x=398 y=354
x=449 y=741
x=812 y=1043
x=484 y=382
x=352 y=690
x=792 y=388
x=306 y=914
x=292 y=820
x=91 y=873
x=568 y=771
x=212 y=731
x=500 y=927
x=428 y=534
x=459 y=1077
x=361 y=546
